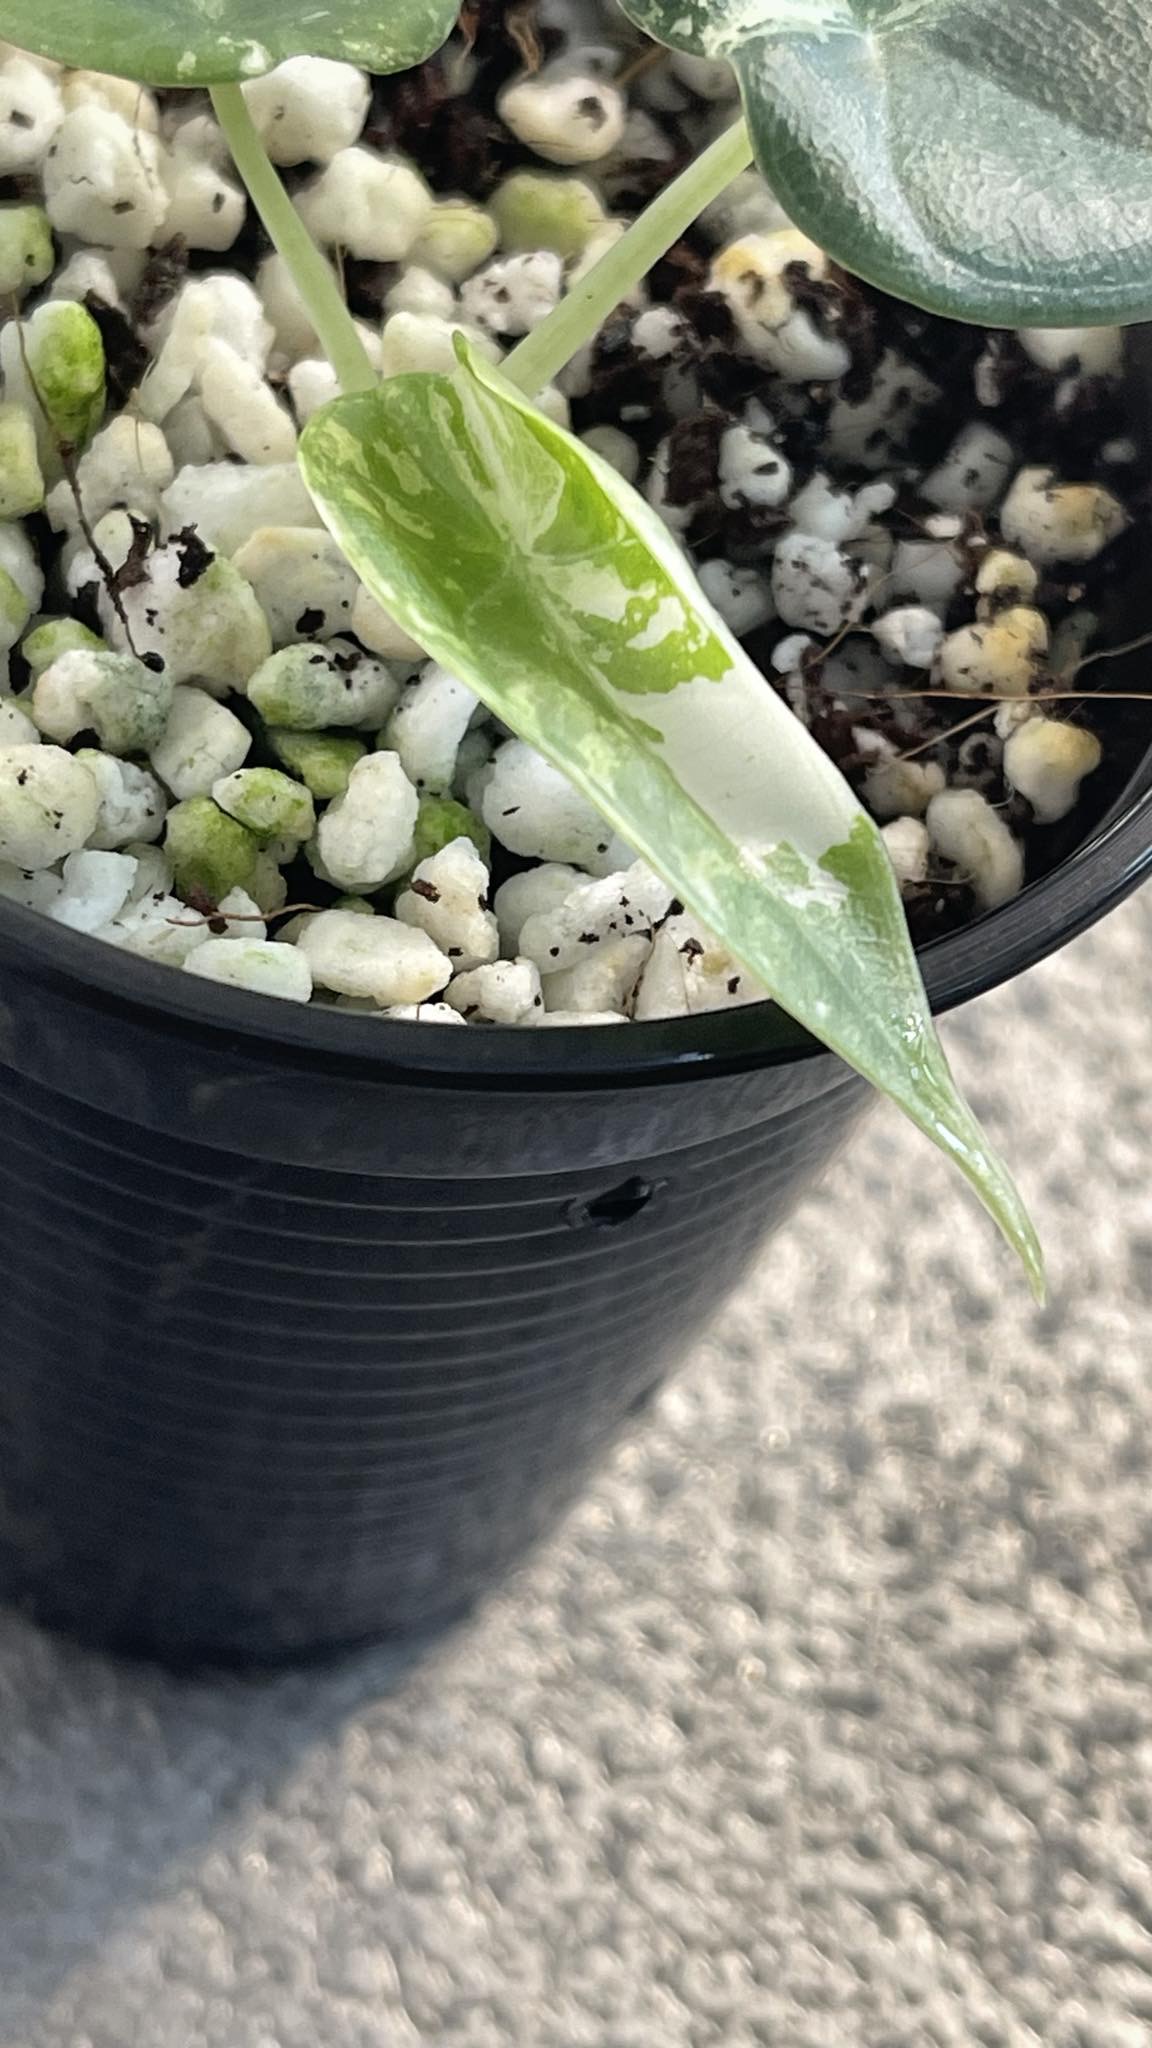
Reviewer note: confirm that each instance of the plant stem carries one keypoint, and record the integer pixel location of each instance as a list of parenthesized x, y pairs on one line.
[(314, 277), (578, 317)]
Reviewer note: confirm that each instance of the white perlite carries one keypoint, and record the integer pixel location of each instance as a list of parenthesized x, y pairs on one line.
[(909, 636), (128, 463), (1056, 522), (903, 789), (909, 846), (303, 584), (1065, 351), (206, 210), (604, 982), (966, 830), (95, 888), (376, 958), (124, 703), (48, 806), (202, 622), (258, 965), (363, 838), (816, 588), (688, 972), (227, 504), (742, 596), (424, 341), (560, 934), (256, 425), (563, 114), (930, 570), (447, 897), (874, 538), (752, 471), (201, 741), (1046, 762), (159, 927), (308, 688), (103, 180), (31, 111), (531, 808), (507, 992), (16, 728), (531, 893), (428, 725), (373, 206), (1002, 657), (974, 474), (832, 512), (132, 801), (514, 295), (309, 109), (753, 275), (378, 630)]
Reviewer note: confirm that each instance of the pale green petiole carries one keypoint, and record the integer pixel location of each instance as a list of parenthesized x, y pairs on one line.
[(316, 281), (584, 310), (580, 314)]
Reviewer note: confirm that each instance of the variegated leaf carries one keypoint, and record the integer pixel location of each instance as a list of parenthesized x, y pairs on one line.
[(527, 566)]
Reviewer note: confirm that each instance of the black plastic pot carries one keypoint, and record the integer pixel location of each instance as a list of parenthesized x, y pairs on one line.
[(313, 1323)]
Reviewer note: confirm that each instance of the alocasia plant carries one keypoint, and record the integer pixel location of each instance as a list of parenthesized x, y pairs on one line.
[(992, 161)]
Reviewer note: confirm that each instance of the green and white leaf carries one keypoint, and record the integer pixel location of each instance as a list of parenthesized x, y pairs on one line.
[(208, 42), (990, 159), (528, 567)]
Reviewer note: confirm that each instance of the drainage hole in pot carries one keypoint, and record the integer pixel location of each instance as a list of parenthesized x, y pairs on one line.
[(619, 1205)]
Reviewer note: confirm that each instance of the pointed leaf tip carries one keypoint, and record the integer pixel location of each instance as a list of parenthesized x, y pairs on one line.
[(528, 567)]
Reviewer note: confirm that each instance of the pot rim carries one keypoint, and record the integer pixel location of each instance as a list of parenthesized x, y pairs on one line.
[(1109, 865)]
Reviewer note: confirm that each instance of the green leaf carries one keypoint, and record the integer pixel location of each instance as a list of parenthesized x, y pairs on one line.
[(207, 42), (528, 567), (990, 159)]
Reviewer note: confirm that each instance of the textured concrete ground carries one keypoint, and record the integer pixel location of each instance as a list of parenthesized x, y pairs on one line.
[(826, 1723)]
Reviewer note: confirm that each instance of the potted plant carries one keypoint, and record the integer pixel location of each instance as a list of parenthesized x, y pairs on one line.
[(316, 1317)]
